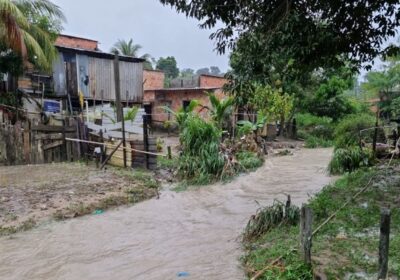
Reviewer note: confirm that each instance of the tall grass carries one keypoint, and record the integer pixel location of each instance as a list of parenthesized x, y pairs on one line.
[(349, 159), (200, 161), (270, 217)]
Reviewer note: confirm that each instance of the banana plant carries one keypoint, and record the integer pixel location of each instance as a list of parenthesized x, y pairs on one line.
[(182, 113), (247, 127), (131, 114), (221, 109)]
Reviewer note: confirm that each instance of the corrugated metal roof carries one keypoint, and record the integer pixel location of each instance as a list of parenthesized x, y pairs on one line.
[(99, 54)]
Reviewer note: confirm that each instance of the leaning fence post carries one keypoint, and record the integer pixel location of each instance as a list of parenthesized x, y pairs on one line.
[(306, 233), (384, 244)]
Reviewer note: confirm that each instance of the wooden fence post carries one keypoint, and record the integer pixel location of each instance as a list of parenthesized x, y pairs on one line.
[(384, 243), (146, 139), (169, 152), (306, 233), (27, 142)]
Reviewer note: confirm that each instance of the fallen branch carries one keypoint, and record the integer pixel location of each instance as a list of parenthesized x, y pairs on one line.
[(265, 269), (110, 155)]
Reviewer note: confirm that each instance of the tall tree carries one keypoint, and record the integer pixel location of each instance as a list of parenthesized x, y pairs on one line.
[(214, 70), (204, 70), (169, 66), (23, 31), (187, 72), (330, 28)]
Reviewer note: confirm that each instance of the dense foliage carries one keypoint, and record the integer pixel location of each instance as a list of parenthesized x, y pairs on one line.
[(313, 32), (348, 132), (28, 29), (169, 66)]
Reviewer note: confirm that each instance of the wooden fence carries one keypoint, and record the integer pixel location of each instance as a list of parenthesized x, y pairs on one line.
[(31, 142)]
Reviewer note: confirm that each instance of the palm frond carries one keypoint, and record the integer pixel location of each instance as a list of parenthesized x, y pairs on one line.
[(127, 48), (46, 44), (33, 47), (42, 7), (12, 21), (192, 105)]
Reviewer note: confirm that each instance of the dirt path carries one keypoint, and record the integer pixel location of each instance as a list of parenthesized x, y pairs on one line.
[(194, 231)]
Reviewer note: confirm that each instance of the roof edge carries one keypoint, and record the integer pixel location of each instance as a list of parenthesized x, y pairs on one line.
[(99, 54)]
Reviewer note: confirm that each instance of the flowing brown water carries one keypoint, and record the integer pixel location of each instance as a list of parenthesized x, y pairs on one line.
[(194, 231)]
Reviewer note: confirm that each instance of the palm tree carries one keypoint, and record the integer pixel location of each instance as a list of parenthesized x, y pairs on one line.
[(128, 48), (19, 35)]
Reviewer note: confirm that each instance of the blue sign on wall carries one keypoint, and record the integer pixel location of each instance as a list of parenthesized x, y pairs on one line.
[(52, 106)]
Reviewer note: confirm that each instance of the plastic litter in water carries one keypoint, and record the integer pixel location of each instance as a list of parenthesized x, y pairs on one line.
[(98, 212), (183, 274)]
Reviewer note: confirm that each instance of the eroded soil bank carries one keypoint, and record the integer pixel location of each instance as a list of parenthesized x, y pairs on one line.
[(195, 231), (32, 194)]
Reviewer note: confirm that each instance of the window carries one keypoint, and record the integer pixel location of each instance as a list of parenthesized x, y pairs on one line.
[(185, 104)]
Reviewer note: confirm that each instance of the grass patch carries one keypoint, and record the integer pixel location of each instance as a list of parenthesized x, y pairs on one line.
[(25, 226), (276, 243), (317, 132), (313, 142), (249, 160), (165, 163), (348, 244), (350, 159)]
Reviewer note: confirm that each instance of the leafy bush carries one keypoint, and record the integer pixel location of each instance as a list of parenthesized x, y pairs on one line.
[(309, 120), (316, 131), (200, 160), (347, 132), (247, 127), (349, 159), (249, 160), (313, 142), (329, 100)]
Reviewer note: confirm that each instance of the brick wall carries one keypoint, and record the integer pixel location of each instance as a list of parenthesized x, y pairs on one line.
[(153, 79), (175, 99), (212, 81), (75, 42)]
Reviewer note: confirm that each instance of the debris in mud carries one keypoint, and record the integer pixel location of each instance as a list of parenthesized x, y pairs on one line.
[(282, 153), (183, 274)]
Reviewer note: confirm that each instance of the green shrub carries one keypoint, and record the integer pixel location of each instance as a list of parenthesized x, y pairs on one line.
[(249, 160), (200, 160), (347, 132), (349, 159), (313, 142), (309, 120), (316, 131)]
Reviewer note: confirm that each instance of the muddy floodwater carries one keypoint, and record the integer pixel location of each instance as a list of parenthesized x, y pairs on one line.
[(194, 231)]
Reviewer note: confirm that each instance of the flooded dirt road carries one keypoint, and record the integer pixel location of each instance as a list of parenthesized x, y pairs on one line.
[(194, 231)]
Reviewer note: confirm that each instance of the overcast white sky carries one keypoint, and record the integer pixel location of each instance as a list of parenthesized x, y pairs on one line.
[(159, 29)]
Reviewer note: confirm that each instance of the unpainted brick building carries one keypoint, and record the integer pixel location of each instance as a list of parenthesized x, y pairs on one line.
[(68, 41), (156, 97)]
